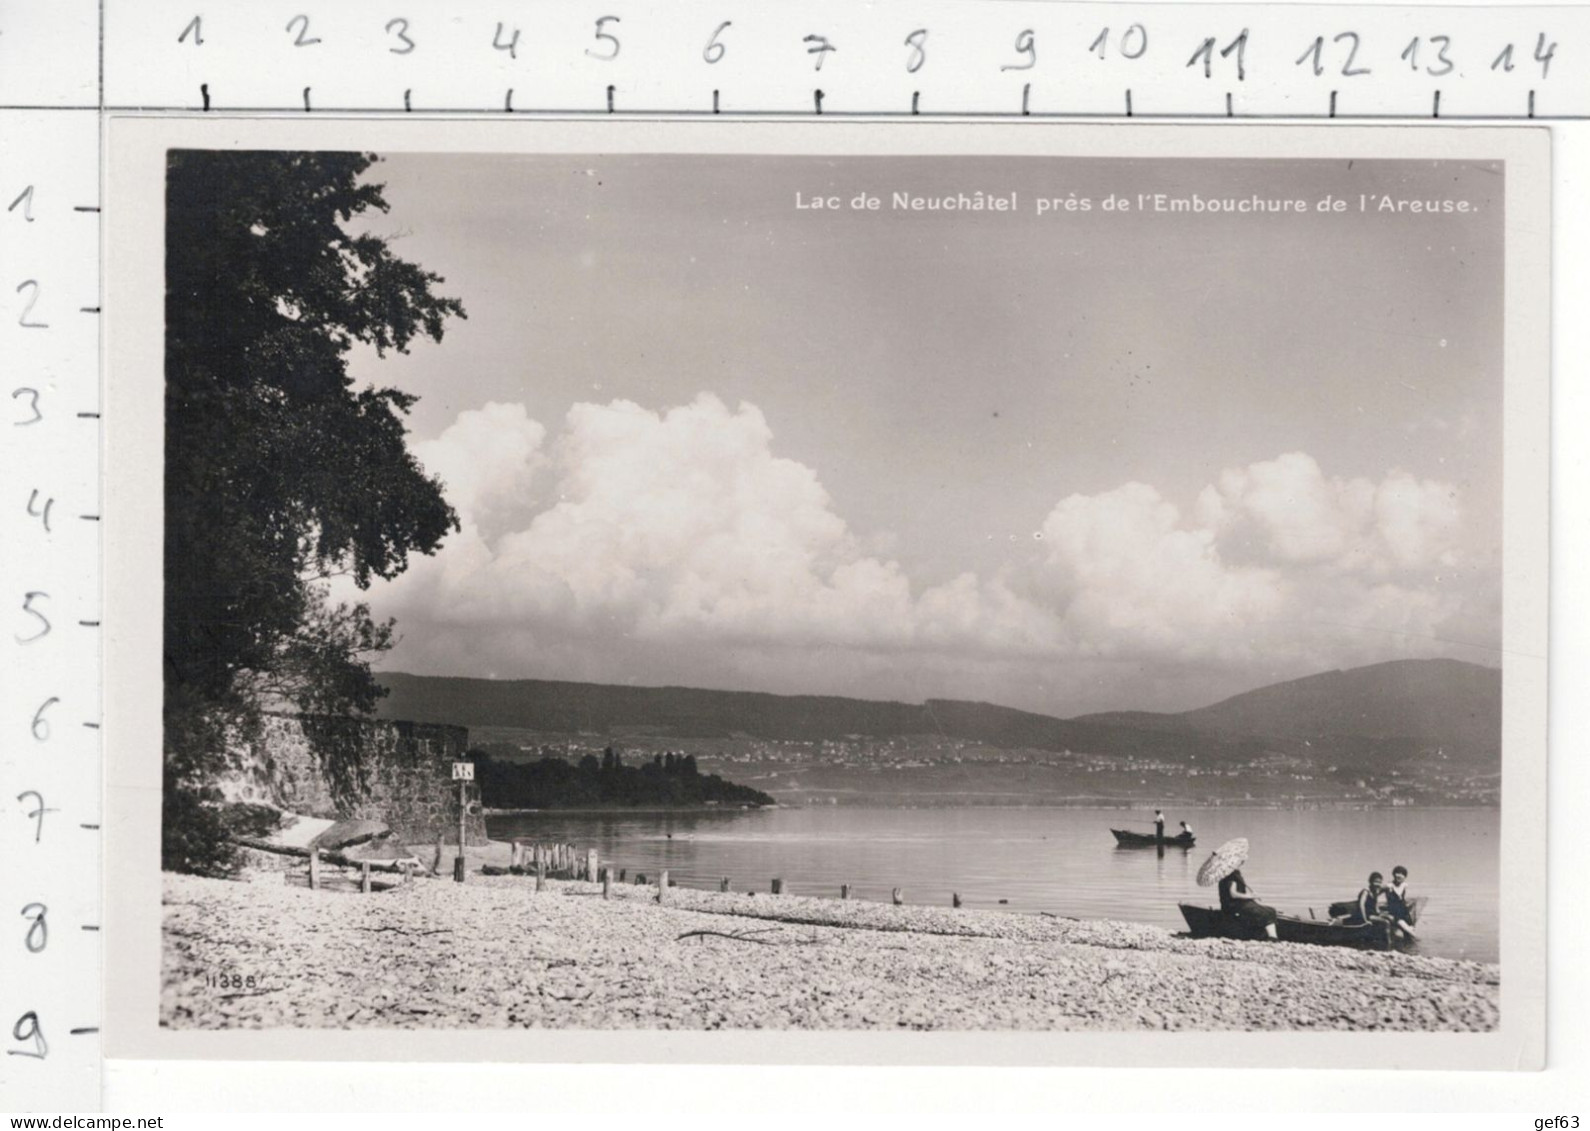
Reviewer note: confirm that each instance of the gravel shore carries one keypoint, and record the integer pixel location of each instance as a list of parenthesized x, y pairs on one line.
[(493, 954)]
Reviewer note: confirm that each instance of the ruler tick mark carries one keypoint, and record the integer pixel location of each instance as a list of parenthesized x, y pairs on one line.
[(84, 1030)]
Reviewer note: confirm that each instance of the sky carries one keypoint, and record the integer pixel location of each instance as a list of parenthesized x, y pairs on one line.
[(1073, 461)]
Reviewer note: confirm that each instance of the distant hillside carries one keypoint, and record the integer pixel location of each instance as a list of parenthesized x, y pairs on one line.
[(1402, 704), (1382, 712)]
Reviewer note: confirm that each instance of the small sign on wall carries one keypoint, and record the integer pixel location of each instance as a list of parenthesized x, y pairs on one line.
[(463, 771)]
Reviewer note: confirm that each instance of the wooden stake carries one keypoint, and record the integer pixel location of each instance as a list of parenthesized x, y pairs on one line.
[(662, 884), (724, 884), (364, 877), (436, 865), (541, 871), (623, 874), (844, 891), (955, 899), (778, 886), (607, 883), (592, 865), (314, 869), (897, 897)]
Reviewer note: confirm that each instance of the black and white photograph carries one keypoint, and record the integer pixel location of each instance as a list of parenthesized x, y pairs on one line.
[(873, 584)]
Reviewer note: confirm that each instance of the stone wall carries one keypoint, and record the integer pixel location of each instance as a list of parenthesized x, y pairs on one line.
[(396, 772)]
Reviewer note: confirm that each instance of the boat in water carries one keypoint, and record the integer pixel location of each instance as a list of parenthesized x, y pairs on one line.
[(1125, 839), (1212, 923)]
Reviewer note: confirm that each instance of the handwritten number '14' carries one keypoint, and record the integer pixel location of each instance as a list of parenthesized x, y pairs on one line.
[(1543, 55)]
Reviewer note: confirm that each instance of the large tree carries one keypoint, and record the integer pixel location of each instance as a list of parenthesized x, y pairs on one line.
[(281, 473)]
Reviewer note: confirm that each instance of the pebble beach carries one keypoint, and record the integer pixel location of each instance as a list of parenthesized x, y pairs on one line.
[(495, 954)]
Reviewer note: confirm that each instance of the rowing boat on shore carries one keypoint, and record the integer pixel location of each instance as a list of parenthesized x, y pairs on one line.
[(1125, 839), (1212, 923)]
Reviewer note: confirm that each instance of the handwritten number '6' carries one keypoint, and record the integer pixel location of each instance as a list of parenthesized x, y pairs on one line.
[(41, 725), (27, 1029), (613, 39), (714, 50), (38, 936)]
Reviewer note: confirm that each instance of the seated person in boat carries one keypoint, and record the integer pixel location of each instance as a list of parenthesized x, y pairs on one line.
[(1238, 900), (1186, 832), (1367, 909), (1399, 905)]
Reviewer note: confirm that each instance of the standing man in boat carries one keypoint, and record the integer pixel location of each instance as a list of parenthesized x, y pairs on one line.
[(1159, 827)]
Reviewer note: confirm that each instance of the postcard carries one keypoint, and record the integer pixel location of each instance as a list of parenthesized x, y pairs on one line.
[(863, 592)]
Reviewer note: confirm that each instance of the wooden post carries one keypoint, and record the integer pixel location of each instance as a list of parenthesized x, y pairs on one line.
[(724, 884), (593, 865), (541, 870), (844, 891), (364, 876), (436, 865), (623, 874), (607, 883), (314, 868), (955, 899), (463, 809), (897, 896), (662, 884), (640, 879), (778, 886), (408, 876)]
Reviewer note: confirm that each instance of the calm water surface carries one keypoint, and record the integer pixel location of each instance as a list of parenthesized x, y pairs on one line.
[(1063, 861)]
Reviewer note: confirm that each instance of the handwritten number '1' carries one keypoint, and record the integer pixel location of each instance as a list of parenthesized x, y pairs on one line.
[(27, 1029)]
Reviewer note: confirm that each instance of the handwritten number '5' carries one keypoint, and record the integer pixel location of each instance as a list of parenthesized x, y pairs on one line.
[(27, 607), (601, 34), (27, 1029), (38, 936)]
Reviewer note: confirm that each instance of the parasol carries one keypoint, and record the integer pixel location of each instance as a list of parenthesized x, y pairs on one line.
[(1223, 861)]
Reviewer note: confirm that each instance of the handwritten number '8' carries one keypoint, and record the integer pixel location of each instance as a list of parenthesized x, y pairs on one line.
[(38, 936), (27, 1029)]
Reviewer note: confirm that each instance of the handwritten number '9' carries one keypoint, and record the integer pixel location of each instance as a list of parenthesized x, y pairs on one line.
[(1025, 45), (27, 1029)]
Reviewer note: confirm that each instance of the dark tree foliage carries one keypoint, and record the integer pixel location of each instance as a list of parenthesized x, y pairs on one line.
[(280, 473), (553, 783)]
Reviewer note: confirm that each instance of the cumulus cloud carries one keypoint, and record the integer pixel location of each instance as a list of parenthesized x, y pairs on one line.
[(631, 541)]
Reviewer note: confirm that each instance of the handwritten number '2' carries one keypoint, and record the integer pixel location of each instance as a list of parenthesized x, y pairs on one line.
[(32, 287)]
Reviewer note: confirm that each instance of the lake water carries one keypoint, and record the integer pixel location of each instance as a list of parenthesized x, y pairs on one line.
[(1062, 861)]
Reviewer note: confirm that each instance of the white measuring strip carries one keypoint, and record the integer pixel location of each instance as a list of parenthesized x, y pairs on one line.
[(954, 57)]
